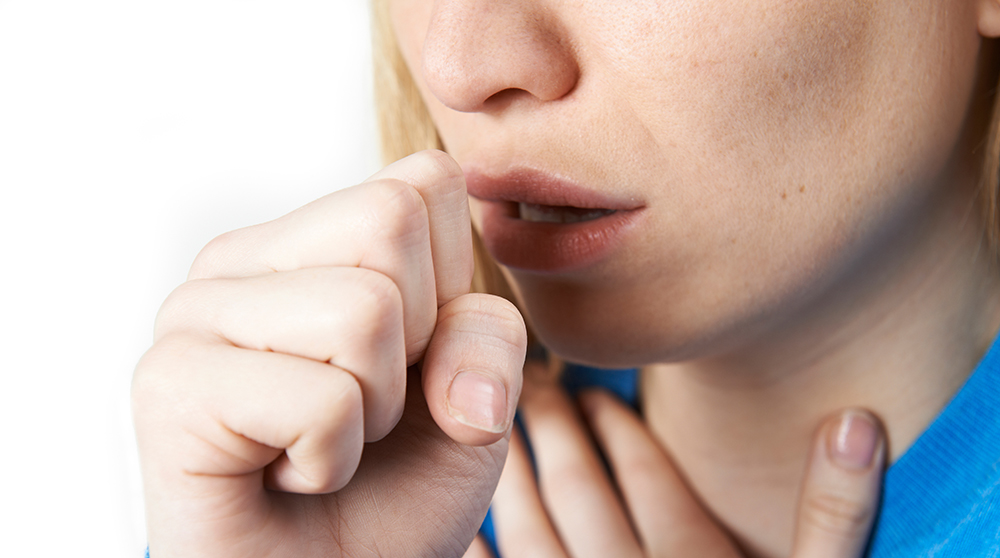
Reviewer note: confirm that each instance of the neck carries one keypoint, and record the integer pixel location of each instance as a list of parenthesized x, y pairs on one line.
[(899, 338)]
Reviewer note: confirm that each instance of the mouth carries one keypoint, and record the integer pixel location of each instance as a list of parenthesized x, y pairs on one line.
[(533, 221), (537, 197), (564, 214)]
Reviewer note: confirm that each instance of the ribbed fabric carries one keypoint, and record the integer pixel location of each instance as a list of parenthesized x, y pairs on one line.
[(941, 499)]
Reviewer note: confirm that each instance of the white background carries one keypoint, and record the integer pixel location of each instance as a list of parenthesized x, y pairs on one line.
[(131, 133)]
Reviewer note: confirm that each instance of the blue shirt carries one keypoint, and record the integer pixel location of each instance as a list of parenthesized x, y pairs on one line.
[(940, 499)]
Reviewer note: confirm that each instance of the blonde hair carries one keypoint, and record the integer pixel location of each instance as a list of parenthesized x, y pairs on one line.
[(406, 128)]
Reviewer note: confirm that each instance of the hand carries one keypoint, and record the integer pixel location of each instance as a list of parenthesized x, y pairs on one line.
[(288, 349), (573, 509)]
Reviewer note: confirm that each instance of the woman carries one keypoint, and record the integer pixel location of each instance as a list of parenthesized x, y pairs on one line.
[(777, 209)]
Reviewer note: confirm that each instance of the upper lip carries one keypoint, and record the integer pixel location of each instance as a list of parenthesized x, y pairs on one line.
[(531, 186)]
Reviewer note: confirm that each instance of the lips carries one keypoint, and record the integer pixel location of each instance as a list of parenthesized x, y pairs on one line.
[(535, 221)]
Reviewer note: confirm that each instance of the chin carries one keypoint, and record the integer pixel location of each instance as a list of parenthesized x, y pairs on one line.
[(597, 350), (606, 329), (633, 322)]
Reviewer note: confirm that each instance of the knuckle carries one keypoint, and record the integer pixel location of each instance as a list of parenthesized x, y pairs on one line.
[(440, 163), (155, 382), (145, 381), (503, 309), (494, 315), (337, 410), (218, 255), (336, 403), (377, 304), (180, 308), (397, 209), (837, 514)]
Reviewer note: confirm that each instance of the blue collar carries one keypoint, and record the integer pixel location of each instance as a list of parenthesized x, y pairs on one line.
[(945, 489)]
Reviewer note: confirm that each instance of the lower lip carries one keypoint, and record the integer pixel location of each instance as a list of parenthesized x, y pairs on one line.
[(551, 247)]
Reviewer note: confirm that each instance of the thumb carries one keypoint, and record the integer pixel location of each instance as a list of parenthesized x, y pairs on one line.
[(472, 368), (841, 493)]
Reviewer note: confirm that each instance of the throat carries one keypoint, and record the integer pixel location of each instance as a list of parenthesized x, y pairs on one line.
[(743, 459)]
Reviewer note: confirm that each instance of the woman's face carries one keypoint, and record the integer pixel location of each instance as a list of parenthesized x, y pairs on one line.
[(731, 162)]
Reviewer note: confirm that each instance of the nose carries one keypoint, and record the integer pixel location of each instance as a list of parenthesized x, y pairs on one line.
[(479, 52)]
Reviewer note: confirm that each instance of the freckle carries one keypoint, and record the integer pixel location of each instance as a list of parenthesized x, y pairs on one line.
[(802, 189), (784, 75), (755, 54), (784, 195)]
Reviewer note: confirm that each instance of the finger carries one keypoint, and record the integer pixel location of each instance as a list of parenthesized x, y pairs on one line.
[(580, 498), (349, 317), (441, 184), (220, 414), (382, 225), (521, 523), (669, 519), (472, 369), (417, 479), (478, 549), (841, 491)]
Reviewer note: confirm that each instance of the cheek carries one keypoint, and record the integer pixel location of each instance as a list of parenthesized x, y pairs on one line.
[(779, 94), (779, 107), (790, 130), (801, 73), (751, 84), (787, 142)]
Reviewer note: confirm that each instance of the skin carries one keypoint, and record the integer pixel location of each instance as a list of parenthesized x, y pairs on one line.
[(308, 394), (286, 353), (324, 384), (809, 240)]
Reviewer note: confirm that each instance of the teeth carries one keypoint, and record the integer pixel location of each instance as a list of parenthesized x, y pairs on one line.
[(563, 215)]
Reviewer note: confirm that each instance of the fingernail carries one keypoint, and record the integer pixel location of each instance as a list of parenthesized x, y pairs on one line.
[(853, 442), (479, 401)]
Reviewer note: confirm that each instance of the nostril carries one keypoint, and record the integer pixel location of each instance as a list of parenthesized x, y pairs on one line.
[(502, 99), (477, 59)]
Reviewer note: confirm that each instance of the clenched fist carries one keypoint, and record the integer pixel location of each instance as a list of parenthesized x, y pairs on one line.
[(325, 385)]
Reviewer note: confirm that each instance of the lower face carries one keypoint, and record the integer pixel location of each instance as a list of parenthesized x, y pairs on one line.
[(748, 155)]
